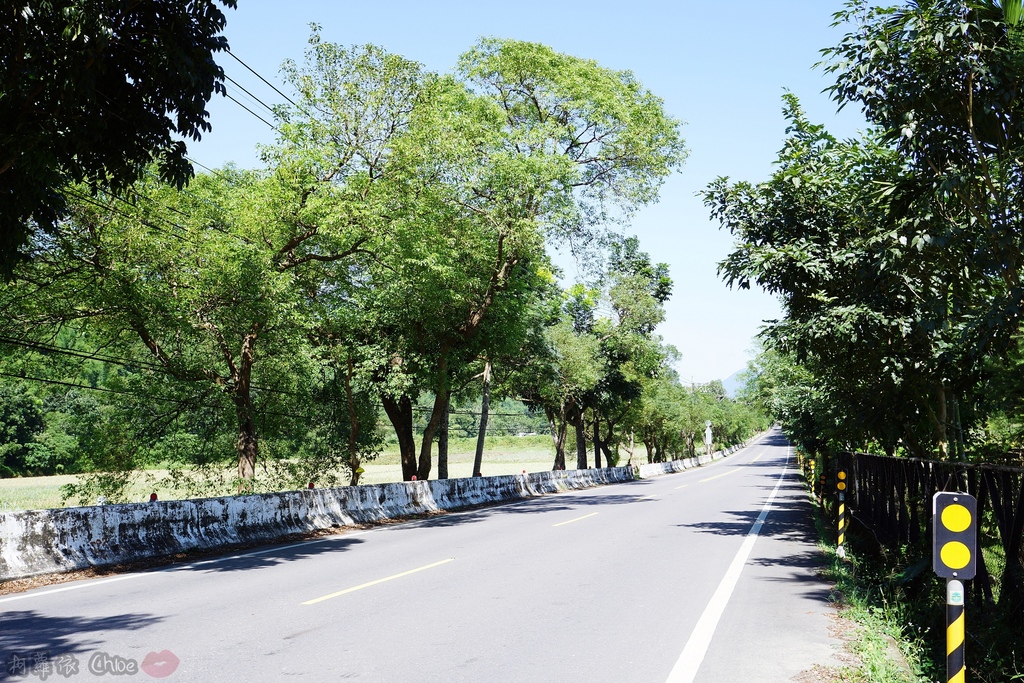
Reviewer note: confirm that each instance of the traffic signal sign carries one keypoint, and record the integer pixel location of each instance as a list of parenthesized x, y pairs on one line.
[(841, 481), (954, 535)]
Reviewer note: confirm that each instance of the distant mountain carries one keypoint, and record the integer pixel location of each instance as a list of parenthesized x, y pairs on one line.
[(733, 383)]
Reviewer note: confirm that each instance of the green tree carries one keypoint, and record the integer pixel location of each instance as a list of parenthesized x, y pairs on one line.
[(21, 421), (211, 290), (93, 92), (873, 299), (479, 170)]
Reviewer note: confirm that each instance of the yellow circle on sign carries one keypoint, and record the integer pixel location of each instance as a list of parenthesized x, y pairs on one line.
[(842, 475), (955, 555), (956, 518), (841, 486)]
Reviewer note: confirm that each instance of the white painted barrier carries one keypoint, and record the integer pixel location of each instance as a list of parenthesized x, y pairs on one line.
[(48, 541), (658, 469)]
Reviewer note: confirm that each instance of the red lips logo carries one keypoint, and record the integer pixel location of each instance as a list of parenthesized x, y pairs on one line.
[(160, 664)]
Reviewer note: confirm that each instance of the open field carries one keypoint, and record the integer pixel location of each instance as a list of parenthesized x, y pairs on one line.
[(501, 456)]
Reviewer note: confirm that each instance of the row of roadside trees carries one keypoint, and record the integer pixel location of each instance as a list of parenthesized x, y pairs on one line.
[(390, 259), (897, 255)]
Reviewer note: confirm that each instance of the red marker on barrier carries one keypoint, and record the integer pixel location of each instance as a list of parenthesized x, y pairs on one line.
[(152, 497), (414, 477), (310, 485)]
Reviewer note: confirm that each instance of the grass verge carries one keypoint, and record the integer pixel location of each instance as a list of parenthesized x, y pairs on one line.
[(502, 455), (887, 646)]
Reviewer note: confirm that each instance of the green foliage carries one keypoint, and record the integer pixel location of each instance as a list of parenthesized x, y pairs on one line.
[(21, 420), (394, 247), (92, 92)]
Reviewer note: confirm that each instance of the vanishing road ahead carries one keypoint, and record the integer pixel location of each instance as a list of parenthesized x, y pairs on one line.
[(656, 580)]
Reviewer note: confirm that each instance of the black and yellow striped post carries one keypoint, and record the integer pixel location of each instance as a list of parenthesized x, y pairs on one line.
[(954, 551), (841, 486), (956, 663)]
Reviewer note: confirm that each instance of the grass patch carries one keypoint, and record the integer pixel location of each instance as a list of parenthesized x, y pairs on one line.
[(502, 455), (888, 646)]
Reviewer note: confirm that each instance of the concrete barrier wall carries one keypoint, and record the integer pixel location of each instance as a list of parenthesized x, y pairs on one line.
[(658, 469), (47, 541)]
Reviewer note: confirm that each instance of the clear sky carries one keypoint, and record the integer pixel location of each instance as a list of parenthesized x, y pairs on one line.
[(721, 67)]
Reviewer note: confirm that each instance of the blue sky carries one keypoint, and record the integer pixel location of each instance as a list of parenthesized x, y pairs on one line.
[(721, 67)]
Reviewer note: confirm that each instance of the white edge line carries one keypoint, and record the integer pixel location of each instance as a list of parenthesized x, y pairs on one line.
[(685, 669)]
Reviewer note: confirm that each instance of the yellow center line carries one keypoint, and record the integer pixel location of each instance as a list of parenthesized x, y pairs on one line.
[(758, 457), (575, 520), (650, 497), (374, 583), (682, 487), (723, 474)]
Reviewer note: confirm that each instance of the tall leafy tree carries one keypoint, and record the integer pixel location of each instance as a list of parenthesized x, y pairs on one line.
[(565, 146), (93, 92), (476, 171), (875, 295), (210, 285)]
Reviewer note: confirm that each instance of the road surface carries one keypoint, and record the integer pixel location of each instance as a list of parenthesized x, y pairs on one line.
[(706, 575)]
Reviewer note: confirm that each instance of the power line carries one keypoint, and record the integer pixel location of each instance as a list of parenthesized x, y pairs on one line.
[(253, 97), (144, 365), (253, 71), (214, 227), (164, 399), (210, 170), (38, 346), (272, 126), (90, 200), (136, 365)]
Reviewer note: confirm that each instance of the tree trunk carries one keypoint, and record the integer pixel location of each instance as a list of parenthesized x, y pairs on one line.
[(597, 440), (581, 441), (427, 445), (247, 444), (353, 427), (400, 413), (558, 429), (609, 460), (442, 442), (478, 460), (941, 421)]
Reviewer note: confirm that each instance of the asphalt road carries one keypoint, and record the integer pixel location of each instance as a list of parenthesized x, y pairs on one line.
[(656, 580)]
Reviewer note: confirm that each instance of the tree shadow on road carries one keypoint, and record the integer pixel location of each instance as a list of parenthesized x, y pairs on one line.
[(789, 521), (27, 634), (547, 503), (273, 556)]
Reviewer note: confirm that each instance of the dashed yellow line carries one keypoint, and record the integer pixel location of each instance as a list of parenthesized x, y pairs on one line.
[(758, 457), (575, 520), (718, 476), (682, 487), (374, 583)]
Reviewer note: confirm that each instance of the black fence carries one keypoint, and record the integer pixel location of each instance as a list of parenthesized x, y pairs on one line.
[(891, 498)]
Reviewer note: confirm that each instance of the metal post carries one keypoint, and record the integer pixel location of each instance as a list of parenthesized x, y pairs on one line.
[(840, 546), (956, 667), (841, 486), (954, 558)]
